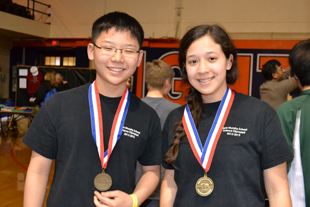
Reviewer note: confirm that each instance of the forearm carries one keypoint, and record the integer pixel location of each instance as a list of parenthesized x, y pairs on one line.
[(35, 189), (147, 183), (168, 189), (36, 180), (276, 185), (280, 199), (287, 73)]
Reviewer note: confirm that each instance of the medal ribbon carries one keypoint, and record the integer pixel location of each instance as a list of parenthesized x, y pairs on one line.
[(205, 155), (97, 126)]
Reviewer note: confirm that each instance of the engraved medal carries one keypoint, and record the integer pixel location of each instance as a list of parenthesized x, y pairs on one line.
[(204, 186), (103, 181), (204, 155)]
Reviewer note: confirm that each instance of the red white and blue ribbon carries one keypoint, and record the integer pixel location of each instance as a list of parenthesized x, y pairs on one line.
[(205, 155), (97, 126)]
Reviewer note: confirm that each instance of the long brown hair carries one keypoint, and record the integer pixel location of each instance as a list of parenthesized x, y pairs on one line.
[(194, 99)]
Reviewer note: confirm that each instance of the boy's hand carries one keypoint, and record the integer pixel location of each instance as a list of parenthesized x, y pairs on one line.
[(112, 199)]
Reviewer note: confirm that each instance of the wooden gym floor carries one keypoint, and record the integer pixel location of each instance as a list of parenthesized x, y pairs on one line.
[(14, 160)]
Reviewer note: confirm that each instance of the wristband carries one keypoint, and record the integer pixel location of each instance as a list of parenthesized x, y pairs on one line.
[(135, 200)]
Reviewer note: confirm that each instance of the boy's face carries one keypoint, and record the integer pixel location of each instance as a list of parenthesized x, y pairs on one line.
[(114, 68)]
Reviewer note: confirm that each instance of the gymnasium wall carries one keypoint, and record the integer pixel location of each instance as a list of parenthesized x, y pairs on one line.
[(252, 54), (243, 19)]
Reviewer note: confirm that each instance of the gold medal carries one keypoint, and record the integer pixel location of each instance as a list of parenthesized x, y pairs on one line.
[(204, 186), (103, 181)]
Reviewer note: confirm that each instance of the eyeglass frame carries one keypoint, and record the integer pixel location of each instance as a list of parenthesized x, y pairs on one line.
[(136, 51)]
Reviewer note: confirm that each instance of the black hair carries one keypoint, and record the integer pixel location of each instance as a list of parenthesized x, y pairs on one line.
[(194, 99), (120, 22), (269, 68), (300, 62)]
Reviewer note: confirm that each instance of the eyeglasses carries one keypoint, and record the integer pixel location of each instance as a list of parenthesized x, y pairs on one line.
[(109, 50)]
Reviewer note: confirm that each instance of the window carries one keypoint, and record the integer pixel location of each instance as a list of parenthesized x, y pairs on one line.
[(52, 60), (60, 61), (68, 61)]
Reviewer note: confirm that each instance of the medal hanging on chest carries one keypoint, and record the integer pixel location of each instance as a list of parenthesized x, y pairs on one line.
[(205, 185), (103, 181)]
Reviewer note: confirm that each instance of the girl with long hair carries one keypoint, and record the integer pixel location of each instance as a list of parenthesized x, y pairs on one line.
[(222, 147), (48, 85)]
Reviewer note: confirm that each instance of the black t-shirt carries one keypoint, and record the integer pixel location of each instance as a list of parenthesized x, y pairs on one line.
[(251, 141), (61, 130), (44, 88), (63, 87)]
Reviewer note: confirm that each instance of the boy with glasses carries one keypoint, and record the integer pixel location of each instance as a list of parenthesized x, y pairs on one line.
[(97, 132)]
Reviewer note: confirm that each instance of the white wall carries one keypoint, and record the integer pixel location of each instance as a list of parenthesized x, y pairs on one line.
[(245, 19), (16, 24)]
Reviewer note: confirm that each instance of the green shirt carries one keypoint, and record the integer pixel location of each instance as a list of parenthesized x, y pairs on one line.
[(287, 113)]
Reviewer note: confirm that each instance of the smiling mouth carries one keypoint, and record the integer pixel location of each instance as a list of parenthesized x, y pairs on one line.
[(116, 69), (206, 79)]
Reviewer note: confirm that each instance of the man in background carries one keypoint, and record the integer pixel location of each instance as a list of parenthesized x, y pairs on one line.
[(62, 85), (278, 84), (294, 116), (158, 78)]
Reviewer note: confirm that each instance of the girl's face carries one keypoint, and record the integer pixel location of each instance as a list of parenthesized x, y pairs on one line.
[(206, 67)]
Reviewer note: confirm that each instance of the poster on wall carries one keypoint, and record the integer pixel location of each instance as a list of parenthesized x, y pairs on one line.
[(22, 83)]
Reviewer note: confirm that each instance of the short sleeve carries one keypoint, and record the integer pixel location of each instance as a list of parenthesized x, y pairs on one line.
[(153, 149), (166, 146), (41, 135), (275, 146)]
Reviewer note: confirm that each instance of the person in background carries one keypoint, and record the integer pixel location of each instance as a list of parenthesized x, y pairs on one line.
[(294, 116), (48, 85), (219, 150), (34, 79), (278, 84), (62, 85), (97, 132), (158, 78)]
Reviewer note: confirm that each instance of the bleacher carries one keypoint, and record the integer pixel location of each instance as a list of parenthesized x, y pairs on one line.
[(9, 7)]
